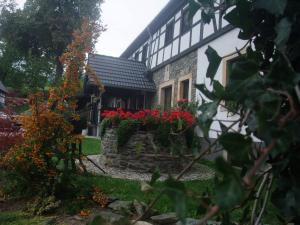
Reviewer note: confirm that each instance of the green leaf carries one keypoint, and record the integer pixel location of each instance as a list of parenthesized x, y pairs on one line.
[(283, 29), (155, 176), (238, 146), (202, 88), (219, 89), (241, 17), (276, 7), (229, 191), (176, 191), (214, 62), (209, 110), (193, 7)]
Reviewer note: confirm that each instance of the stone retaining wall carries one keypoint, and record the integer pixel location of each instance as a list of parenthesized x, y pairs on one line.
[(140, 153)]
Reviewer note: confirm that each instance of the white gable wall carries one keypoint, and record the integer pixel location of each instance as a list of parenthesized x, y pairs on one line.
[(224, 45)]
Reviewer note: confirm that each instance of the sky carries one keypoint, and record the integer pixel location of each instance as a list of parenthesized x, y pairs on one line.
[(125, 20)]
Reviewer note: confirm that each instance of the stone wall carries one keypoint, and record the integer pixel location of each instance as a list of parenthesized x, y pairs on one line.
[(184, 66), (140, 153)]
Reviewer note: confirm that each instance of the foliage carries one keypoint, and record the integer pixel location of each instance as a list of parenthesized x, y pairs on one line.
[(264, 85), (34, 38), (42, 206), (10, 132), (125, 130), (49, 137), (19, 218), (164, 124)]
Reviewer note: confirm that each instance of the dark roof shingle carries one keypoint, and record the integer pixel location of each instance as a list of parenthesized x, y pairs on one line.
[(121, 73)]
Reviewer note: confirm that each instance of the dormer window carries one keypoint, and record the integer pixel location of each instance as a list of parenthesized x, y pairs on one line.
[(186, 21), (169, 33)]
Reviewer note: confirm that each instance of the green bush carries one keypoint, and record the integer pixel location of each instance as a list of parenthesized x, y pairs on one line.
[(104, 125), (125, 130)]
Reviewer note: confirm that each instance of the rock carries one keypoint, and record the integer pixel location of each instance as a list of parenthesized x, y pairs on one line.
[(138, 207), (121, 206), (213, 223), (109, 217), (189, 221), (142, 223), (167, 218), (50, 221)]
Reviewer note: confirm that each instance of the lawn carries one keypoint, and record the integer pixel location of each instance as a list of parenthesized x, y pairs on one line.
[(130, 190), (126, 190), (91, 146), (19, 218)]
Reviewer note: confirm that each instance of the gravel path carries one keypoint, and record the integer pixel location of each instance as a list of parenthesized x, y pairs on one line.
[(201, 172)]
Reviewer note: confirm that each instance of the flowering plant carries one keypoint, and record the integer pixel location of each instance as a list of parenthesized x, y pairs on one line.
[(181, 119)]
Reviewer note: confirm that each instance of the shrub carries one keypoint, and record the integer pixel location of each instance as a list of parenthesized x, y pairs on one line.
[(125, 130)]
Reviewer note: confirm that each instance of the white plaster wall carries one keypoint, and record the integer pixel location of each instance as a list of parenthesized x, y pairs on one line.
[(160, 56), (224, 45), (175, 47), (208, 30), (177, 16), (167, 54), (196, 34), (177, 28), (154, 58), (162, 40), (185, 41), (197, 16)]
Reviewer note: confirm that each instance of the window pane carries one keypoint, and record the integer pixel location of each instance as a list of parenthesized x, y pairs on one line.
[(185, 89), (167, 98)]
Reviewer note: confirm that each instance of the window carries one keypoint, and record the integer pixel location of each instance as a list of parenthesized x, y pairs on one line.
[(186, 22), (167, 97), (144, 53), (185, 87), (228, 66), (136, 56), (169, 33)]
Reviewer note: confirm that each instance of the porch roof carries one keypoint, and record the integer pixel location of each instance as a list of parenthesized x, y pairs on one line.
[(121, 73)]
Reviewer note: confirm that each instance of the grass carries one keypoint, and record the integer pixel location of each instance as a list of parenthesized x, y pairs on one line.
[(130, 190), (19, 218), (91, 146)]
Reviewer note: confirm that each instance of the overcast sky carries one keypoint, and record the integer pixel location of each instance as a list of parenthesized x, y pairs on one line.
[(125, 19)]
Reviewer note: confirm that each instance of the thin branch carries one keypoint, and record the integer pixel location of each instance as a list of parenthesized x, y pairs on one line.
[(91, 161), (237, 50), (265, 201), (257, 195), (213, 211)]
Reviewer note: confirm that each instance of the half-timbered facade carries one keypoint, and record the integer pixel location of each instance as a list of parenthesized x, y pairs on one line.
[(172, 48)]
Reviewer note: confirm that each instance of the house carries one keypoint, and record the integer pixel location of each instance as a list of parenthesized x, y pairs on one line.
[(127, 85), (3, 93), (172, 48)]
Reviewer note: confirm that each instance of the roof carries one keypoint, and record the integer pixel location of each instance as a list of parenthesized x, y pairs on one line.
[(121, 73), (2, 87), (163, 17)]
